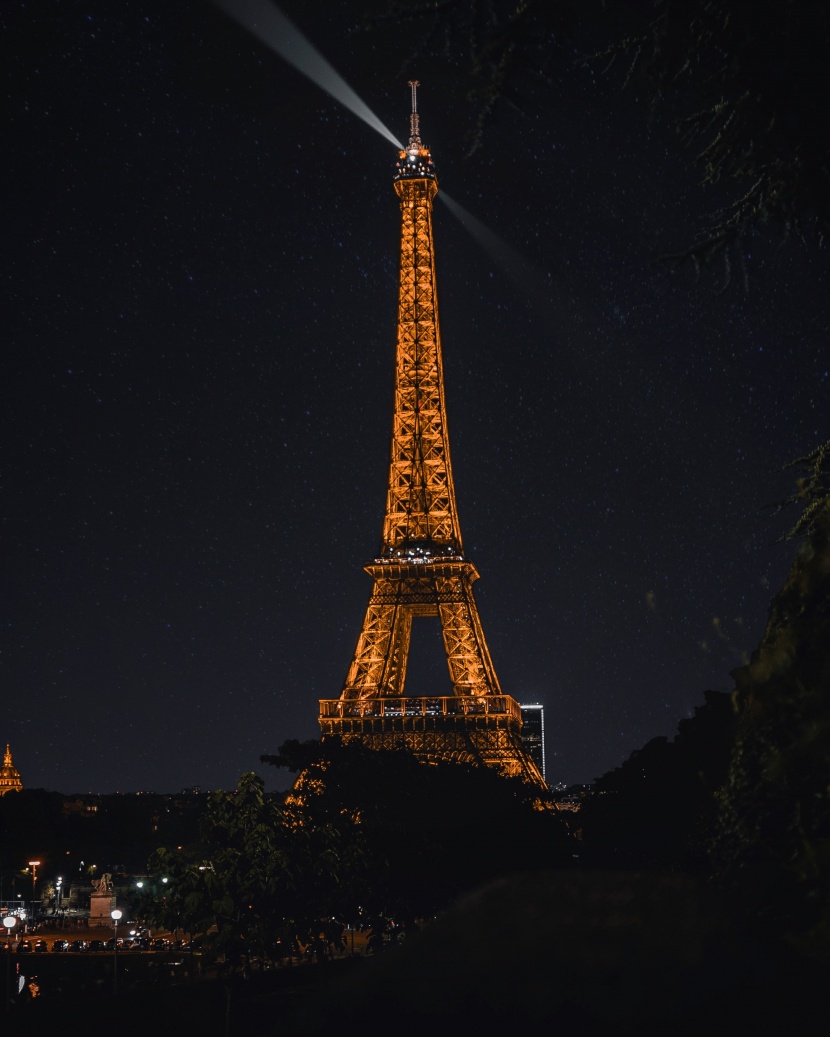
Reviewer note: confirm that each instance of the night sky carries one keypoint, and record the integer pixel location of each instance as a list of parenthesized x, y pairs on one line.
[(199, 282)]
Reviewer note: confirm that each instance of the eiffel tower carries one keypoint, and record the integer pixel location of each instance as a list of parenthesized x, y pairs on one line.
[(421, 569)]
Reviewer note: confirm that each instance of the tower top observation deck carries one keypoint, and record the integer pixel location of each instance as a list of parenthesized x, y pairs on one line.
[(414, 161)]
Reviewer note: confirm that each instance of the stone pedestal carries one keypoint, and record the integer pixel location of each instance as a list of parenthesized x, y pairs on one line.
[(100, 905)]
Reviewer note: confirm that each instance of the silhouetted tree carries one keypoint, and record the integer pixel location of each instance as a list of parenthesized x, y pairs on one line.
[(120, 830), (236, 881), (744, 85), (658, 808), (427, 832), (32, 821), (773, 846)]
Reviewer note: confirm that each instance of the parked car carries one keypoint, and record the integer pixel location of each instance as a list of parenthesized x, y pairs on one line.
[(41, 946), (60, 945), (79, 945), (24, 947), (97, 945)]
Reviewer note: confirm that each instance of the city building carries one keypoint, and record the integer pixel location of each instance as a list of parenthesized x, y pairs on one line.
[(9, 775), (533, 733)]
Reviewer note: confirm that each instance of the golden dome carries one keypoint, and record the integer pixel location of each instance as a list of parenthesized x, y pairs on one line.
[(9, 775)]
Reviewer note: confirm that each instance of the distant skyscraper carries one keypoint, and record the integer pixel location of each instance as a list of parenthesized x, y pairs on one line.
[(533, 733)]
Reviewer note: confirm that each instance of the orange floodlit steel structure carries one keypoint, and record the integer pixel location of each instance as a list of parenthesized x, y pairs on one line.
[(421, 569)]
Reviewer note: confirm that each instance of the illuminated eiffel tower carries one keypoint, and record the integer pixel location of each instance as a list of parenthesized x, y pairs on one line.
[(421, 569)]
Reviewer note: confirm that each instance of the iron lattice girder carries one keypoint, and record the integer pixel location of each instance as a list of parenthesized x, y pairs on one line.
[(421, 570), (401, 591), (420, 502), (502, 709), (420, 725)]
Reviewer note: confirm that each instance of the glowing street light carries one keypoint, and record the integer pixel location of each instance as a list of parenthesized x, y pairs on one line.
[(115, 916), (8, 922), (34, 865)]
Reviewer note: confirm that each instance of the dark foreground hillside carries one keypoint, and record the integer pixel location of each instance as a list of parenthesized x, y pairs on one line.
[(569, 953)]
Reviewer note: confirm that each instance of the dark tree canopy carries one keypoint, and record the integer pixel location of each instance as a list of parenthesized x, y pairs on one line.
[(743, 792), (744, 86), (658, 808), (429, 832), (250, 872), (774, 836), (120, 832)]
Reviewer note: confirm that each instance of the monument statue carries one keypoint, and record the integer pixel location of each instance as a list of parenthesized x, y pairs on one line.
[(104, 884)]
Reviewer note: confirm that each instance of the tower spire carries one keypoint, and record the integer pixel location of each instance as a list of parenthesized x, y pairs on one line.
[(414, 121)]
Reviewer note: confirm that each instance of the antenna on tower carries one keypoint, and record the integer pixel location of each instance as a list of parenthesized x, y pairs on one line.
[(414, 127)]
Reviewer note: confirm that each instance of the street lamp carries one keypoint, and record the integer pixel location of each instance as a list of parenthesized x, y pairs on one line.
[(115, 916), (8, 922), (34, 865)]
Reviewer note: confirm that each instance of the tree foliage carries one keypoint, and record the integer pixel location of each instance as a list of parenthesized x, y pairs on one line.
[(743, 792), (427, 832), (250, 871), (744, 86), (361, 833), (119, 833), (773, 847), (658, 808), (812, 492)]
